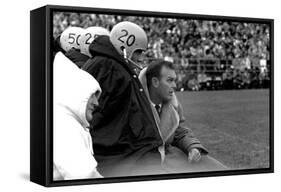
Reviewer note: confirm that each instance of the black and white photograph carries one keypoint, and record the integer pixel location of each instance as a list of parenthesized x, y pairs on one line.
[(141, 95)]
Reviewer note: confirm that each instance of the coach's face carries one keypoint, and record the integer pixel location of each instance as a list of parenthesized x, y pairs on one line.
[(167, 84)]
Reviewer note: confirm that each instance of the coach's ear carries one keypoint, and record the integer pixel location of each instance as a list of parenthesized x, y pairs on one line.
[(155, 82)]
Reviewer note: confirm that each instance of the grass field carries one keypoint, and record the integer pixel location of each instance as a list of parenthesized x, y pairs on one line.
[(233, 125)]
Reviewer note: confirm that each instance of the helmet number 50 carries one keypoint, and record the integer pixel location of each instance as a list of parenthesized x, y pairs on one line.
[(73, 39), (130, 39)]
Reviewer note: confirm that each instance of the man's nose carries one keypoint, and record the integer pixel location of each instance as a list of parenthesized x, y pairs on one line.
[(174, 85), (95, 102)]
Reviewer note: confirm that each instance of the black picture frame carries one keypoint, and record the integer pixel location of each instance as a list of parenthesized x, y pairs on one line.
[(41, 81)]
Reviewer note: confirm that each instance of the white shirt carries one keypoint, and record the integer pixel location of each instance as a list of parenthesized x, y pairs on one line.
[(154, 105)]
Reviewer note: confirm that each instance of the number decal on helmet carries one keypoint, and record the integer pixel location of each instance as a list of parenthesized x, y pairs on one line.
[(96, 35), (71, 38), (130, 40), (77, 39), (89, 36)]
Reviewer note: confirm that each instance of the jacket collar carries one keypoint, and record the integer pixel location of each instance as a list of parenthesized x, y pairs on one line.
[(103, 46)]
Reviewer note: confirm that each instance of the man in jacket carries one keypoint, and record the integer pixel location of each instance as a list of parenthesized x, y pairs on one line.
[(124, 131), (181, 147)]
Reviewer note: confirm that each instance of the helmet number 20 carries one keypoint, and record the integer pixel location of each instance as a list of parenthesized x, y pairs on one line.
[(130, 39)]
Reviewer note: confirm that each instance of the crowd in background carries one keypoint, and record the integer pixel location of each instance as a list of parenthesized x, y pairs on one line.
[(207, 54)]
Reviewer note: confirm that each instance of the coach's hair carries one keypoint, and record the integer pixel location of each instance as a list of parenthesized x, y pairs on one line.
[(154, 69)]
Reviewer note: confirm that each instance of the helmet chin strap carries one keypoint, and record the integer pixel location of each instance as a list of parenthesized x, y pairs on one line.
[(130, 60), (124, 52), (135, 64)]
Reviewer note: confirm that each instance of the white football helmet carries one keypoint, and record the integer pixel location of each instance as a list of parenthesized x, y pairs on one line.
[(70, 38), (88, 37), (128, 37)]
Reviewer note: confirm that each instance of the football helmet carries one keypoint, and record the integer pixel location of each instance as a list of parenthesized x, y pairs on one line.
[(128, 37), (70, 38), (88, 37)]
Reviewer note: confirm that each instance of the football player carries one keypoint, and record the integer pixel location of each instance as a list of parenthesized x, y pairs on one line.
[(88, 37), (124, 128), (70, 41)]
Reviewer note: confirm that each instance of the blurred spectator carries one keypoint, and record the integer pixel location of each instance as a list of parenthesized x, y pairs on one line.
[(191, 42)]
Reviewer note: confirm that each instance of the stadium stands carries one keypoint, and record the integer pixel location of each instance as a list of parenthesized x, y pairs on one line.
[(208, 55)]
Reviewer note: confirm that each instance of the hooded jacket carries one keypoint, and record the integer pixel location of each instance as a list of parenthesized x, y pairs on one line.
[(123, 128), (72, 143)]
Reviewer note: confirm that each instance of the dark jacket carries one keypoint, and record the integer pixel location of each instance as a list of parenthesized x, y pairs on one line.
[(76, 57), (123, 125)]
